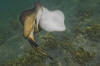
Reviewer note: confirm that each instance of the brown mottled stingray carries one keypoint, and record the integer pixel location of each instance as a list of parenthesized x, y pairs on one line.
[(28, 18)]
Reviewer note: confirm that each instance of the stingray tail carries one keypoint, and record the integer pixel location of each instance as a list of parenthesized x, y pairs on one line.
[(35, 45)]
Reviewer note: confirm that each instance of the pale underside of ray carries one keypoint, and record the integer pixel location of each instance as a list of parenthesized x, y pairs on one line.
[(51, 20)]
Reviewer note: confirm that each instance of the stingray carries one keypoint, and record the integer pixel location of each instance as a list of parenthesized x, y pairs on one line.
[(49, 21)]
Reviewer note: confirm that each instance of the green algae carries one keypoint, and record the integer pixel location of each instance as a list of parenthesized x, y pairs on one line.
[(82, 56), (79, 55), (88, 27), (91, 32), (48, 41), (31, 58)]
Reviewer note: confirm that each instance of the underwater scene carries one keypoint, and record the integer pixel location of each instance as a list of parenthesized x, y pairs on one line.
[(78, 45)]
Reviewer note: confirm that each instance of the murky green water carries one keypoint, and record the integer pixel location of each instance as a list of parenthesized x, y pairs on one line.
[(79, 45)]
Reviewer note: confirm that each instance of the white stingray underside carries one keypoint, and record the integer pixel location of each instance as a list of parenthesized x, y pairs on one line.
[(51, 20)]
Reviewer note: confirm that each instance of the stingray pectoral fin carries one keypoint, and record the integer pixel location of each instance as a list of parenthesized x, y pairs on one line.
[(28, 26)]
